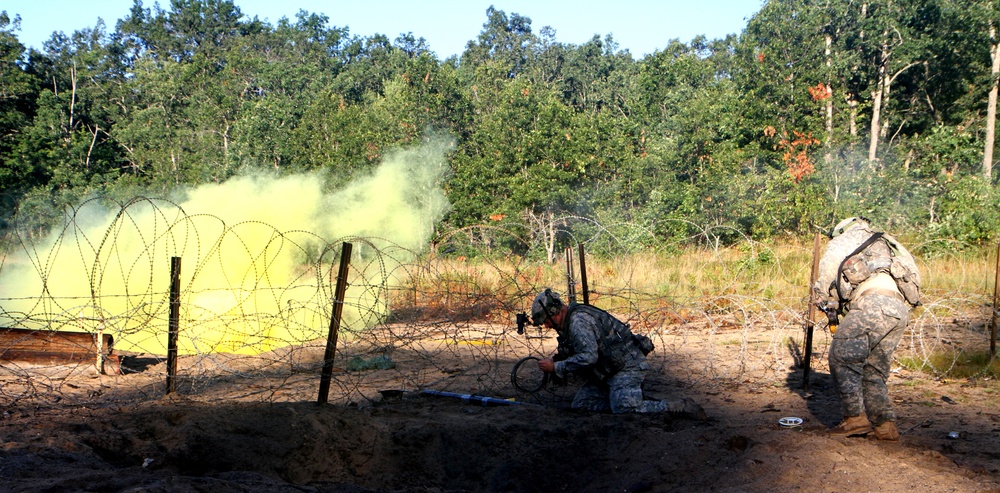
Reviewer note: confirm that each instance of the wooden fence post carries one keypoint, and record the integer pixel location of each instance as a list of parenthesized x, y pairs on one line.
[(996, 306), (338, 310), (810, 315), (174, 327)]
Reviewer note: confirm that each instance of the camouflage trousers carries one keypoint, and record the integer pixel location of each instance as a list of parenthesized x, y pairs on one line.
[(620, 393), (861, 354)]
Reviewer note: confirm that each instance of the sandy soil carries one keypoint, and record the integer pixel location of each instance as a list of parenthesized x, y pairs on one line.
[(216, 440)]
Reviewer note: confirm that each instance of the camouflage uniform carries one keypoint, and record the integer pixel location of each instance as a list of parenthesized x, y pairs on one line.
[(589, 353), (876, 317), (861, 353)]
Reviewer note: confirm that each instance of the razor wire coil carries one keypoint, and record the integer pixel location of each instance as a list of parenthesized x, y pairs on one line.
[(256, 305)]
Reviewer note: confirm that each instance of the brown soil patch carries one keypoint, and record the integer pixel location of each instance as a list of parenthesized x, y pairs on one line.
[(216, 439)]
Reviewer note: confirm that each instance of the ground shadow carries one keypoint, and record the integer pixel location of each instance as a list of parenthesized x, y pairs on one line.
[(818, 391), (138, 363)]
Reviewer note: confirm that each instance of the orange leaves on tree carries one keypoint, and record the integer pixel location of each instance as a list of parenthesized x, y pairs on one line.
[(371, 151), (796, 155), (799, 166), (820, 92)]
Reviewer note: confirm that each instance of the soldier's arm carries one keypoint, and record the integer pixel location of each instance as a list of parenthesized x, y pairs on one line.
[(583, 337)]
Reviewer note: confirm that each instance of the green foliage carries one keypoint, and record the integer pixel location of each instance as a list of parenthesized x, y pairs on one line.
[(969, 211), (19, 90), (947, 149), (756, 258), (979, 365), (553, 142)]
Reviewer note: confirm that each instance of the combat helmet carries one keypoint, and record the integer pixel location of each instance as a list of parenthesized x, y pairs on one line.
[(848, 224), (546, 304)]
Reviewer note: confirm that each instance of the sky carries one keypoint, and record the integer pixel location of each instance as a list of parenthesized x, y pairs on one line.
[(640, 26)]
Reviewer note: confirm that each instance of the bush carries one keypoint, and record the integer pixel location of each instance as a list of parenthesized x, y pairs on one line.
[(969, 211)]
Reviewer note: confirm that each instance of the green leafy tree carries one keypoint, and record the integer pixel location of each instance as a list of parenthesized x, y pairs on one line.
[(187, 87), (18, 90), (410, 96), (285, 68), (506, 42), (70, 132)]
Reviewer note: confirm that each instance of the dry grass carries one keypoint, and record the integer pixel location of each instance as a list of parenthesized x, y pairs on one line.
[(978, 365), (771, 274)]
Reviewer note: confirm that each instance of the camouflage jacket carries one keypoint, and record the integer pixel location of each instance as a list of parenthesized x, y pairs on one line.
[(596, 344)]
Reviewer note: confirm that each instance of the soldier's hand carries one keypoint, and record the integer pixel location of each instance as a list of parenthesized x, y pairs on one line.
[(547, 365)]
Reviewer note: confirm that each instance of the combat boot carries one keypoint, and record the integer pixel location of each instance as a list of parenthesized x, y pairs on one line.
[(687, 408), (852, 425), (887, 431)]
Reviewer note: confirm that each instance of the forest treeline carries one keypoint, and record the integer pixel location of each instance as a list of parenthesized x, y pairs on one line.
[(815, 111)]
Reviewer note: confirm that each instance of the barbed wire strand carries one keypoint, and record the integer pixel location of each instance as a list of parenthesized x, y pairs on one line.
[(256, 303)]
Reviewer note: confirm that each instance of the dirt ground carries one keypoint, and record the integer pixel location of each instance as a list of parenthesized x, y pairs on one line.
[(415, 442)]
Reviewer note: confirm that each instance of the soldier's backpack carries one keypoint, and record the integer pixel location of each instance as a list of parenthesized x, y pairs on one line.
[(872, 256)]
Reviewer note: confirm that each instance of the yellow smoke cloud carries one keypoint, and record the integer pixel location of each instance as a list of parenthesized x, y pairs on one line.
[(252, 278)]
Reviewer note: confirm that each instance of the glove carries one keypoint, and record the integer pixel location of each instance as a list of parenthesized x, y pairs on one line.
[(832, 317)]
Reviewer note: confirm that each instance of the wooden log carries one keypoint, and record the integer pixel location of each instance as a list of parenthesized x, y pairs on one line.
[(55, 347)]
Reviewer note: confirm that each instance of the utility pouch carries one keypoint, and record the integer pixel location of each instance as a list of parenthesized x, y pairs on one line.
[(859, 270), (906, 282), (856, 270)]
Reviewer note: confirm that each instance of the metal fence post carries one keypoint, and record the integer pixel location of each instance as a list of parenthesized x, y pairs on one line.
[(570, 280)]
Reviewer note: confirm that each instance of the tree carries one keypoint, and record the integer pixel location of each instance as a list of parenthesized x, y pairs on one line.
[(505, 41), (18, 90), (187, 28), (189, 81), (781, 56), (284, 69), (592, 77), (991, 113)]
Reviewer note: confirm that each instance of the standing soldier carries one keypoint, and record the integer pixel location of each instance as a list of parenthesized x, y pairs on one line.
[(871, 281)]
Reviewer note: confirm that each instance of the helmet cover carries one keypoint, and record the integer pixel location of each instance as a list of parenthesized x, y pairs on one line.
[(547, 303), (848, 224)]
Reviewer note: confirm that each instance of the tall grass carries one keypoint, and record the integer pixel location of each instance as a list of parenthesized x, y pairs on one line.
[(772, 274), (971, 364)]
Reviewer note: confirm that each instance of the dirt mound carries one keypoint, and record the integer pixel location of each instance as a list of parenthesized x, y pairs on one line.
[(264, 432), (421, 443)]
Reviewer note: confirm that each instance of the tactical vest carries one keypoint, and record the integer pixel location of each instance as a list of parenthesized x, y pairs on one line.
[(615, 342), (880, 253)]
